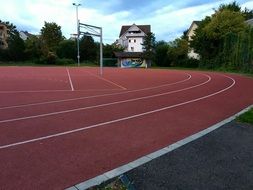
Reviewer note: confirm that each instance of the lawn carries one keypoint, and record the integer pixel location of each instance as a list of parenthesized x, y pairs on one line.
[(246, 117)]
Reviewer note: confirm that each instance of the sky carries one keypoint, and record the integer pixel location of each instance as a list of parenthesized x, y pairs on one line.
[(168, 18)]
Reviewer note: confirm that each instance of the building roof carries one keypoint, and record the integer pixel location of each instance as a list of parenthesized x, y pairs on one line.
[(193, 22), (24, 35), (197, 22), (145, 28), (128, 54)]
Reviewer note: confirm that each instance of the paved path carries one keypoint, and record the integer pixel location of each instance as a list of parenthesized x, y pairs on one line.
[(220, 160)]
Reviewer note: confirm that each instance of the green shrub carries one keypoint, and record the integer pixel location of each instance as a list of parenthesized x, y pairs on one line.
[(65, 61), (51, 58), (110, 62)]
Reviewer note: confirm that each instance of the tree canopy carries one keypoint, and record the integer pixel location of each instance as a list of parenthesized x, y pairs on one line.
[(223, 22), (212, 35), (51, 35), (89, 50), (149, 47), (16, 46)]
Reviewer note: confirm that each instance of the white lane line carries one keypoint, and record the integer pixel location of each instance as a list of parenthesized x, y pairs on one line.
[(147, 158), (96, 96), (70, 81), (32, 91), (103, 105), (118, 120), (107, 80), (41, 91)]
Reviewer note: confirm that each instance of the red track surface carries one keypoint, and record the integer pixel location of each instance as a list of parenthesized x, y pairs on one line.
[(52, 137)]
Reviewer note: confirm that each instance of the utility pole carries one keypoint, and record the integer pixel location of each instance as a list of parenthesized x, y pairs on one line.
[(78, 33)]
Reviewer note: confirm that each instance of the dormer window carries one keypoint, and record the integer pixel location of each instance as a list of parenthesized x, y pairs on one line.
[(134, 32)]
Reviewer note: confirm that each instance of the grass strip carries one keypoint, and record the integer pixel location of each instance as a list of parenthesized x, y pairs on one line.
[(247, 117)]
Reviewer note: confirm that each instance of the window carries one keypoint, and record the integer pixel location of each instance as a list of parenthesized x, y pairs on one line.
[(134, 32), (129, 41), (132, 48), (134, 40)]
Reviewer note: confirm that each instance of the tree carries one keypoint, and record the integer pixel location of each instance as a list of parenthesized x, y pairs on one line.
[(148, 47), (224, 22), (161, 56), (209, 36), (33, 47), (16, 47), (51, 36), (109, 49), (88, 49), (67, 49), (248, 14), (177, 52), (200, 43), (184, 36), (233, 6), (223, 40), (12, 29)]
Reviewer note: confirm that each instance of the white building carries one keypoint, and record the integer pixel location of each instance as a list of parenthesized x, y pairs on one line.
[(249, 22), (3, 36), (190, 34), (24, 35), (131, 39)]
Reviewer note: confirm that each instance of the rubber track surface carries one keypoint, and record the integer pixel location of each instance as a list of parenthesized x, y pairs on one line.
[(52, 137)]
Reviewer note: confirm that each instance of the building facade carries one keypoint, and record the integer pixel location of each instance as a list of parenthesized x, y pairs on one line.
[(3, 36), (24, 35), (249, 22), (190, 34), (131, 39)]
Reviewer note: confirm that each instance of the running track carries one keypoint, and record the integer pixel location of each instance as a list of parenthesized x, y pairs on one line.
[(61, 126)]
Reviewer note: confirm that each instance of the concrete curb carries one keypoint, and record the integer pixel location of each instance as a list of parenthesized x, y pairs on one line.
[(134, 164)]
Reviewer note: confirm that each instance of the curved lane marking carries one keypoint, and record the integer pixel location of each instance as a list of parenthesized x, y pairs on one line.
[(96, 96), (103, 105), (118, 120)]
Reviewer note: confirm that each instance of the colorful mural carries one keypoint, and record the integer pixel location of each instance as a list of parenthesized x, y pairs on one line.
[(130, 63)]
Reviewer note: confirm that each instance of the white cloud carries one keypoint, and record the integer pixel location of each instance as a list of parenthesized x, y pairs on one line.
[(249, 5), (167, 25), (167, 22), (29, 13)]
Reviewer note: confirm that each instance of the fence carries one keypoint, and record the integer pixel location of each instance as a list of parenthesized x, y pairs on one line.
[(110, 62), (238, 51)]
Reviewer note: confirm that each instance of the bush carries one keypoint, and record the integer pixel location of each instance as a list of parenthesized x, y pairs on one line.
[(67, 49), (65, 61), (49, 59), (110, 62), (191, 63)]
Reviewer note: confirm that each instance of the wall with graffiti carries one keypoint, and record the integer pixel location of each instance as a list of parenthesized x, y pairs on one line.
[(132, 63)]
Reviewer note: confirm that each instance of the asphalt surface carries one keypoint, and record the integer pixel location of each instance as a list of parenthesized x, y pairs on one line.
[(223, 159)]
